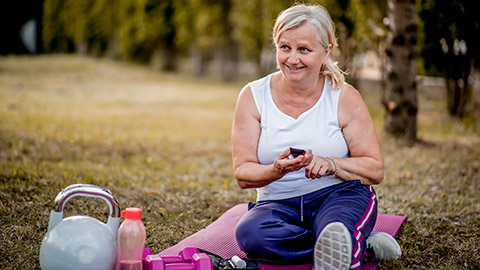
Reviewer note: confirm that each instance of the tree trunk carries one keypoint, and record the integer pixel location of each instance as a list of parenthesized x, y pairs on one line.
[(229, 61), (82, 47), (459, 84), (347, 48), (199, 61), (268, 62), (400, 95)]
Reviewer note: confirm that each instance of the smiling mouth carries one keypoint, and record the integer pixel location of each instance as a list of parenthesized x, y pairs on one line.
[(294, 68)]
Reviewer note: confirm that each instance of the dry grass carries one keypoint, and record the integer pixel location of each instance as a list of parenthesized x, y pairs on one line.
[(162, 142)]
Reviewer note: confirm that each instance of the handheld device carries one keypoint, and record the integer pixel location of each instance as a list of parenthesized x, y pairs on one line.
[(296, 152)]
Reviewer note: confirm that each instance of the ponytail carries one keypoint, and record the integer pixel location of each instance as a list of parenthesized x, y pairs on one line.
[(333, 72)]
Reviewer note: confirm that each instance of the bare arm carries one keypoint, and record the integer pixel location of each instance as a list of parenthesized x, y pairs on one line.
[(245, 135), (366, 161)]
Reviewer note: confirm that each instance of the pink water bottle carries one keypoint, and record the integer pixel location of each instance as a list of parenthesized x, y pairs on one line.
[(131, 240)]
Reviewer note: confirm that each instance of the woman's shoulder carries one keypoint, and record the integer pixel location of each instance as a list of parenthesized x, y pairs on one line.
[(259, 89), (247, 103), (350, 94), (351, 104)]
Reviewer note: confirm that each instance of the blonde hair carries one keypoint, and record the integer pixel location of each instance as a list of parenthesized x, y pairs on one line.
[(318, 16)]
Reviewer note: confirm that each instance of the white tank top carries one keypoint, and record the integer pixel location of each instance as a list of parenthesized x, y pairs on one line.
[(316, 129)]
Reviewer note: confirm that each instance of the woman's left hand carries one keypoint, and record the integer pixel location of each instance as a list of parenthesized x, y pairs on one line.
[(318, 167)]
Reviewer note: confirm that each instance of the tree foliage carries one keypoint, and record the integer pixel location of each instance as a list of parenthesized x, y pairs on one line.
[(231, 30), (82, 26), (143, 30), (254, 22), (54, 34), (452, 30), (205, 30)]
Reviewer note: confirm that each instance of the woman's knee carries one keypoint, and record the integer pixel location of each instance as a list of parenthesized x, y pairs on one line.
[(247, 231), (259, 228)]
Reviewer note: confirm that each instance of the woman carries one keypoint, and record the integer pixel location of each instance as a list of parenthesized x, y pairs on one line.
[(319, 204)]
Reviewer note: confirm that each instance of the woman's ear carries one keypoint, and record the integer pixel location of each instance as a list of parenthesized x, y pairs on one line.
[(328, 50)]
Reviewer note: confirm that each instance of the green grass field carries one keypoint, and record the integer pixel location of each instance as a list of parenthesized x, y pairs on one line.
[(161, 142)]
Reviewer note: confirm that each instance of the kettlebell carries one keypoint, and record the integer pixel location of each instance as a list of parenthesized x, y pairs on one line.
[(81, 242)]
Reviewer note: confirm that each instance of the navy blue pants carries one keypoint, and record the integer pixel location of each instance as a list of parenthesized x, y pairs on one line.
[(273, 231)]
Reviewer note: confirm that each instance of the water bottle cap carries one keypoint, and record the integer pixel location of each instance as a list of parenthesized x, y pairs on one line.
[(132, 213)]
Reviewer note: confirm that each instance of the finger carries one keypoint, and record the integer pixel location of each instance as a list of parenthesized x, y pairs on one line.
[(307, 158), (288, 165), (319, 171), (308, 170), (309, 155), (323, 171), (311, 170), (282, 165), (285, 153)]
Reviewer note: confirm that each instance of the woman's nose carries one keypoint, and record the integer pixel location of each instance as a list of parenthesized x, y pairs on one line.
[(293, 57)]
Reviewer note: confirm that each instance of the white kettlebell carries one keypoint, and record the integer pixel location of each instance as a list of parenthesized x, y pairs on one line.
[(81, 242)]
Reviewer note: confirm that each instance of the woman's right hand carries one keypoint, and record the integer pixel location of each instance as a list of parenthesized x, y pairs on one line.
[(283, 164)]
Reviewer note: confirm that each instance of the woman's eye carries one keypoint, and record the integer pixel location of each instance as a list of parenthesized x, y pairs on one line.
[(284, 47), (304, 50)]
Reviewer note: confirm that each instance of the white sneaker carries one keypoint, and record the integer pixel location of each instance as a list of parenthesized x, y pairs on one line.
[(382, 246), (333, 249)]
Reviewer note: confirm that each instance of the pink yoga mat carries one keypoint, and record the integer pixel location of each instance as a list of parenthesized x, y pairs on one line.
[(219, 237)]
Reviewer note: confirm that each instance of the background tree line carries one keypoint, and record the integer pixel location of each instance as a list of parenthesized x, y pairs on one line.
[(227, 30), (159, 32)]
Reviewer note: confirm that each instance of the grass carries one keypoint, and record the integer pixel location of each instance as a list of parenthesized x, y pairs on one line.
[(161, 142)]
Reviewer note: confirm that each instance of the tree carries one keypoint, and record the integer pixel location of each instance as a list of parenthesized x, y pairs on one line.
[(55, 38), (400, 96), (254, 20), (145, 32), (205, 30), (452, 31), (101, 38), (76, 19), (160, 33), (86, 27)]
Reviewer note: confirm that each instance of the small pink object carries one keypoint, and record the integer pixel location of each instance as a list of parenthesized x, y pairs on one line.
[(188, 259)]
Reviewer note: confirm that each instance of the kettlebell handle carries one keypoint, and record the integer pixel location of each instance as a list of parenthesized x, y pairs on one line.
[(88, 191)]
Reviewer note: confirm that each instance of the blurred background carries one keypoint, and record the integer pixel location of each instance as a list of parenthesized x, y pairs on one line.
[(231, 40), (137, 96)]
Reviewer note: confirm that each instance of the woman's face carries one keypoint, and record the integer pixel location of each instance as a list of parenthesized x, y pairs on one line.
[(300, 55)]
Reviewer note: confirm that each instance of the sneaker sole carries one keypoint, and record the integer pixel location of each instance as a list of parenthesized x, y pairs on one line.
[(333, 249)]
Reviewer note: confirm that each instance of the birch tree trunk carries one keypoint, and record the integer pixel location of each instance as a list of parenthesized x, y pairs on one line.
[(400, 94)]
